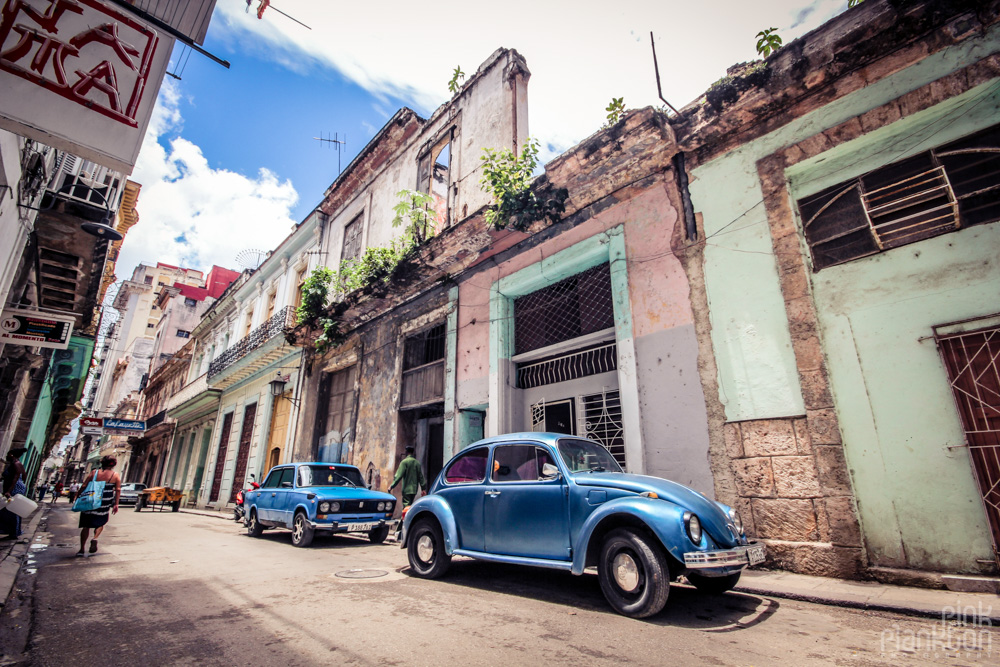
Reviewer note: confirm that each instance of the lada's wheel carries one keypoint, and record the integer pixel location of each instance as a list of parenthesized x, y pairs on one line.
[(425, 550), (302, 532), (634, 574), (714, 584), (378, 535), (254, 528)]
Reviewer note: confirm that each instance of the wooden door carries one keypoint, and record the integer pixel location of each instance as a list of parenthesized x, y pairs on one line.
[(279, 429), (246, 434), (220, 461)]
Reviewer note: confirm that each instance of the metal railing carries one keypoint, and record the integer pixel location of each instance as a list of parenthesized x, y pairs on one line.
[(273, 327)]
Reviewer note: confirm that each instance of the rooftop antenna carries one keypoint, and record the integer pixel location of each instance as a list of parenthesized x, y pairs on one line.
[(251, 259), (336, 142), (656, 67)]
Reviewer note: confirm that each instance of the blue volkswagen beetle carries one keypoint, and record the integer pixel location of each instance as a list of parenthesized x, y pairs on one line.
[(326, 497), (563, 502)]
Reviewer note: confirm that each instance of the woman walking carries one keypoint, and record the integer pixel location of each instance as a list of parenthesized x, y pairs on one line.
[(13, 484), (96, 519)]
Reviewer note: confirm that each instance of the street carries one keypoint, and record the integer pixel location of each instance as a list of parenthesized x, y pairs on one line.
[(178, 588)]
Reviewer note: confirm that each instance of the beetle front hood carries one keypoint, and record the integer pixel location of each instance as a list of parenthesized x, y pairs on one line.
[(713, 518)]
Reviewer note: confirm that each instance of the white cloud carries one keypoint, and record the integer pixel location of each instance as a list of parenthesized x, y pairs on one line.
[(581, 53), (192, 215)]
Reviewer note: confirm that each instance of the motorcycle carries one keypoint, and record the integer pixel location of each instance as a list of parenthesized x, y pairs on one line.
[(239, 511)]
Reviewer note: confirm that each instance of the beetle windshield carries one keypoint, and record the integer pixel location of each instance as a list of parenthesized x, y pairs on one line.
[(586, 456), (329, 476)]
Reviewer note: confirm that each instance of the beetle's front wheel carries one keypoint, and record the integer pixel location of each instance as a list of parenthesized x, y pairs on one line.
[(634, 574), (425, 550)]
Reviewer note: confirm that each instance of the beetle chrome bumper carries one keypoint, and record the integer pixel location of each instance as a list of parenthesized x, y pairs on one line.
[(737, 557)]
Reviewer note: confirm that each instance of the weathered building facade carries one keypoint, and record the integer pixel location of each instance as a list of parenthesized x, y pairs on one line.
[(846, 192)]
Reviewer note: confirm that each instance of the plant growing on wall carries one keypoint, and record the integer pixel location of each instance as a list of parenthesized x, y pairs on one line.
[(851, 4), (414, 210), (315, 293), (376, 265), (454, 84), (507, 180), (616, 109), (768, 41)]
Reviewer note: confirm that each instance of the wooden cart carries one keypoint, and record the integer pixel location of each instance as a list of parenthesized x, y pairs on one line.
[(159, 498)]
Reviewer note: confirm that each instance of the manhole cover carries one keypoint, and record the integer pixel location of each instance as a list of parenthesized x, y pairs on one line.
[(361, 574)]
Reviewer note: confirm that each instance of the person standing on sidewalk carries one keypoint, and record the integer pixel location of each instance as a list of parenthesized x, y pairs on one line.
[(97, 519), (13, 484), (411, 475), (42, 488)]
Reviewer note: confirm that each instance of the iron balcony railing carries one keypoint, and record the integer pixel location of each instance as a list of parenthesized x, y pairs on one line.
[(273, 327)]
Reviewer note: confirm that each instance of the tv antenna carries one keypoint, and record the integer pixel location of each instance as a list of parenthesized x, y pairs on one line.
[(335, 142), (251, 259)]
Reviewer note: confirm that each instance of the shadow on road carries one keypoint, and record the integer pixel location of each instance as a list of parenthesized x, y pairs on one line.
[(686, 607)]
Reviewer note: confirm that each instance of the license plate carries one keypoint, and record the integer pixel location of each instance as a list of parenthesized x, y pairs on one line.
[(359, 527), (755, 554)]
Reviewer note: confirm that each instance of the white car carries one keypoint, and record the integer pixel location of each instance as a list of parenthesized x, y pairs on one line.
[(130, 493)]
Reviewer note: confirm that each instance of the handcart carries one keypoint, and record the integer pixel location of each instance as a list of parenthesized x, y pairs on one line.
[(159, 498)]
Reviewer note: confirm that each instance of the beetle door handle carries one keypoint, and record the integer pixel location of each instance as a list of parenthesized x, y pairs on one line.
[(493, 493)]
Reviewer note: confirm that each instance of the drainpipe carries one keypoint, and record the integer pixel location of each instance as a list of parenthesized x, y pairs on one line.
[(681, 178)]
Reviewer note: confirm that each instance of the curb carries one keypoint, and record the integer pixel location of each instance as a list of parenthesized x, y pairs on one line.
[(209, 513), (10, 564)]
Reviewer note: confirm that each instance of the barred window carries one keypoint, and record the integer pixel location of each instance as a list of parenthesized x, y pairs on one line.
[(571, 308), (423, 367), (932, 193)]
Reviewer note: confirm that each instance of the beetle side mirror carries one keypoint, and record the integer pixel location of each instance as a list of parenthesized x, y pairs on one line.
[(549, 471)]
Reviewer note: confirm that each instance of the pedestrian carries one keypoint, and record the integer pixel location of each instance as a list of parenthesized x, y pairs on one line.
[(97, 519), (411, 475), (57, 492), (74, 491), (42, 488), (13, 484)]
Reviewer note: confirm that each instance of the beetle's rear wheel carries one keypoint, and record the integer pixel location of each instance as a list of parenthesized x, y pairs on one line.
[(634, 575)]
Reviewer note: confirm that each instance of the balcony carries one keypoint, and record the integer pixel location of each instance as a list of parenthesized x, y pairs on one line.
[(261, 348)]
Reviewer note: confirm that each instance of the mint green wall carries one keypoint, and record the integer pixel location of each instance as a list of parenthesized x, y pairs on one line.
[(917, 499)]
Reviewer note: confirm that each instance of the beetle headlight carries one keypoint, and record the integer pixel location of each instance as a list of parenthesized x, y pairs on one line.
[(324, 508), (693, 526), (334, 507), (734, 516)]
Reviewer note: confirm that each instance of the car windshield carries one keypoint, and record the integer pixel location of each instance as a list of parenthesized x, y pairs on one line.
[(330, 476), (586, 456)]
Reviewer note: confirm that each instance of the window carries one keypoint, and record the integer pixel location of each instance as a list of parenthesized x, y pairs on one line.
[(602, 421), (932, 193), (148, 280), (287, 478), (352, 239), (434, 177), (423, 367), (518, 463), (183, 334), (189, 302), (469, 467), (249, 323), (573, 307), (300, 281), (150, 325), (271, 300)]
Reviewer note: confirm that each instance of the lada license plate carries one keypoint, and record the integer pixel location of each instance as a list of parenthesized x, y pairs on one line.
[(359, 527), (755, 554)]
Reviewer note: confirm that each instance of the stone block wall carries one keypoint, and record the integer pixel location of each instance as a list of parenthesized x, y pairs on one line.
[(793, 493)]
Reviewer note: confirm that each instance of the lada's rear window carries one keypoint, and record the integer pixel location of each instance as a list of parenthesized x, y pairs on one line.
[(469, 467), (329, 476)]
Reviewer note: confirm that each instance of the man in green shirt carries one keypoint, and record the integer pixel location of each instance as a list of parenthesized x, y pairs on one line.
[(411, 475)]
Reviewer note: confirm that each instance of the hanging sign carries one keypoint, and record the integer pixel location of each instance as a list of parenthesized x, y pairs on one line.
[(80, 76), (35, 328), (123, 426), (91, 425)]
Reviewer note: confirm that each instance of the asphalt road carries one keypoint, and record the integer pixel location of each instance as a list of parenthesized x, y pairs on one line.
[(185, 589)]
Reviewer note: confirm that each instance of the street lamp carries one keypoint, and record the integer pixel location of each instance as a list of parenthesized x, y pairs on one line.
[(277, 386)]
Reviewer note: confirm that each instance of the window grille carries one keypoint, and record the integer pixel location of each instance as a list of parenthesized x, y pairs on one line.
[(423, 367), (352, 239), (562, 368), (573, 307), (602, 421), (932, 193)]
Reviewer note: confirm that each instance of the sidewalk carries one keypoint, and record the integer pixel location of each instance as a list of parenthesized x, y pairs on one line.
[(972, 608)]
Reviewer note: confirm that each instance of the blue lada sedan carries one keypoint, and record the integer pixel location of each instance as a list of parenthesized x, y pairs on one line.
[(563, 502), (326, 497)]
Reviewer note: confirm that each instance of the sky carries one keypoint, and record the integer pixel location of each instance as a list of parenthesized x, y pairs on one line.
[(230, 161)]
